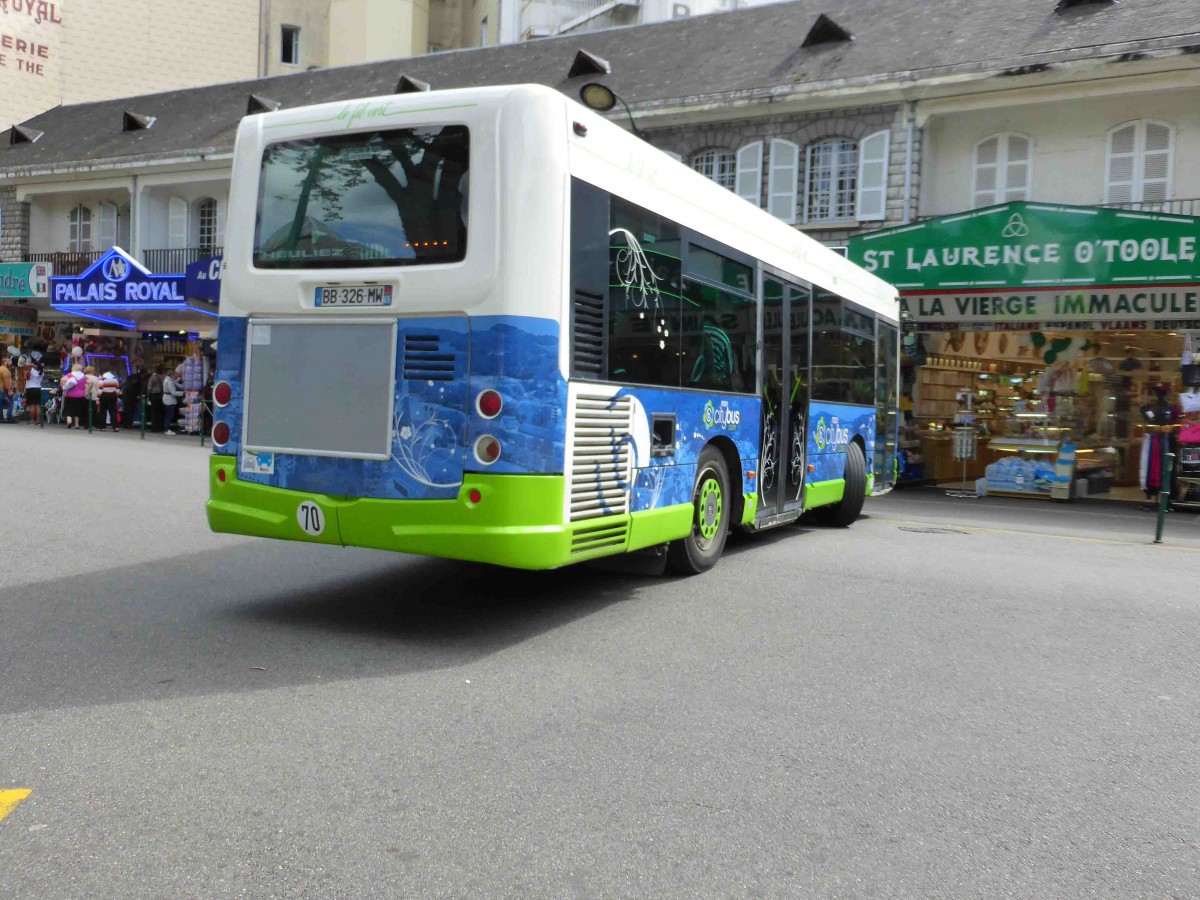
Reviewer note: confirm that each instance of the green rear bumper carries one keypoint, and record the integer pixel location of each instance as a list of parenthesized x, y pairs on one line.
[(518, 521)]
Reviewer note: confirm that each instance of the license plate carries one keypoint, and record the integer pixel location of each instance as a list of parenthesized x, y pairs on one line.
[(355, 295)]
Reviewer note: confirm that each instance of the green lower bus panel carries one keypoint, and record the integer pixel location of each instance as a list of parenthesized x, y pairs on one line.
[(516, 522)]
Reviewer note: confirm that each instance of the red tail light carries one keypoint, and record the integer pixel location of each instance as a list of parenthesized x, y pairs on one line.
[(489, 403), (220, 434), (487, 449), (222, 393)]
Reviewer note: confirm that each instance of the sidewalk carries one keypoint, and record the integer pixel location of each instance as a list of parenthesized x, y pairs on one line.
[(125, 434)]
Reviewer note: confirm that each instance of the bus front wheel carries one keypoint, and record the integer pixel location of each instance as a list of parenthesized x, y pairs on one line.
[(700, 550), (845, 511)]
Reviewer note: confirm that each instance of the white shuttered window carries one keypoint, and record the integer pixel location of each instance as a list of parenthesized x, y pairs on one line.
[(177, 223), (782, 180), (872, 175), (108, 225), (749, 173), (716, 165), (1139, 163), (1003, 163)]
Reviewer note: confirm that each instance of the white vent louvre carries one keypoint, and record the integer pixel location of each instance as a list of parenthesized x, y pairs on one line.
[(601, 464)]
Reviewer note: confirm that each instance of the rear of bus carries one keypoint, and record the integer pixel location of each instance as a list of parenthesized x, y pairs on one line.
[(389, 363)]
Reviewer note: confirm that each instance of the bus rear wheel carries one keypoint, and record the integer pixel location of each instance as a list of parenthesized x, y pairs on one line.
[(845, 511), (700, 550)]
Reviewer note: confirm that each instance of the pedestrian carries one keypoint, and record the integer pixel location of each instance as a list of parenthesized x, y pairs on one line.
[(154, 395), (74, 391), (7, 393), (131, 391), (170, 398), (33, 390), (109, 389), (92, 393)]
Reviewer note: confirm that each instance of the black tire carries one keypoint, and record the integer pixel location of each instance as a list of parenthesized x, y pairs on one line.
[(845, 511), (711, 504)]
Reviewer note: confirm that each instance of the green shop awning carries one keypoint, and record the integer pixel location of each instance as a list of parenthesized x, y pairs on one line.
[(1037, 266)]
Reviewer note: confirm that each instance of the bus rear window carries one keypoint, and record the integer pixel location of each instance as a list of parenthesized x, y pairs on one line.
[(386, 198)]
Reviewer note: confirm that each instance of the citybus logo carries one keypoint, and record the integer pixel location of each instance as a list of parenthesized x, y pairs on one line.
[(721, 416), (831, 435)]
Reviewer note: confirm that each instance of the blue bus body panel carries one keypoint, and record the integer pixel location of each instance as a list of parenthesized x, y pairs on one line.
[(442, 364)]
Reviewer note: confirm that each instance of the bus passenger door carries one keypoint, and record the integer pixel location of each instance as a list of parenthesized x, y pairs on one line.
[(796, 425), (782, 460)]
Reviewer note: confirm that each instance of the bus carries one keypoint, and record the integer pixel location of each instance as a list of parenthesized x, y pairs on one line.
[(488, 324)]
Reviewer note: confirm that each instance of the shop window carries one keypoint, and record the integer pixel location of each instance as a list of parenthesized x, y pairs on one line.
[(1002, 169), (843, 351), (716, 165), (289, 45), (1139, 162), (644, 304), (79, 234)]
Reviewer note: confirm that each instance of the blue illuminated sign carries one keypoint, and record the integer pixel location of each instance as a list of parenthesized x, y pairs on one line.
[(116, 281), (203, 279)]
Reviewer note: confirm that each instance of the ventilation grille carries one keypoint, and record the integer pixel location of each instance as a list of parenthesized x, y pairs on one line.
[(602, 456), (587, 347), (424, 359), (591, 538)]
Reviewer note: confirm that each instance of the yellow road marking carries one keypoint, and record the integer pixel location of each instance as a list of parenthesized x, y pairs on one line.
[(974, 529), (10, 799)]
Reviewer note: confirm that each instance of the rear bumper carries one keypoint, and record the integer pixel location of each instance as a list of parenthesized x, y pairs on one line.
[(518, 521)]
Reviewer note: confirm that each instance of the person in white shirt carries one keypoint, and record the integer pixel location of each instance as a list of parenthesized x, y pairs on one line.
[(171, 394), (33, 390), (108, 389)]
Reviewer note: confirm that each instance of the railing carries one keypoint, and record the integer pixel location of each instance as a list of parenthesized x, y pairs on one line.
[(160, 262), (1183, 207), (67, 262), (176, 261), (1188, 207)]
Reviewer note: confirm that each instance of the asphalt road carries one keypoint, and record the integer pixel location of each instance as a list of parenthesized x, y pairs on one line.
[(953, 698)]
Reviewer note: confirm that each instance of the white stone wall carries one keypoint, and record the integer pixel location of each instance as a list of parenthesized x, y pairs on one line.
[(98, 49), (1069, 138), (803, 130)]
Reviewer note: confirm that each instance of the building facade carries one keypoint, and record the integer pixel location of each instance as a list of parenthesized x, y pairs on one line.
[(843, 126)]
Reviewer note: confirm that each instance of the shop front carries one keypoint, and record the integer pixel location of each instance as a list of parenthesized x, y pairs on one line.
[(1048, 349), (131, 320)]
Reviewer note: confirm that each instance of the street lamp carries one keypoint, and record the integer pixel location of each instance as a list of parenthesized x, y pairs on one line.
[(602, 98)]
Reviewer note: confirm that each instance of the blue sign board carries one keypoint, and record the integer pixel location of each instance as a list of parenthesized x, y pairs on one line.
[(116, 281), (203, 279)]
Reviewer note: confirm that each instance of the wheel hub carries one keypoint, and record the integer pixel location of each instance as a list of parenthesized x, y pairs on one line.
[(710, 507)]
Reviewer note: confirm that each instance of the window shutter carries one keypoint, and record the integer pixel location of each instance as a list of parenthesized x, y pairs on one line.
[(872, 175), (748, 184), (108, 225), (1119, 169), (782, 180), (1018, 164), (1156, 163), (220, 238), (177, 214)]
